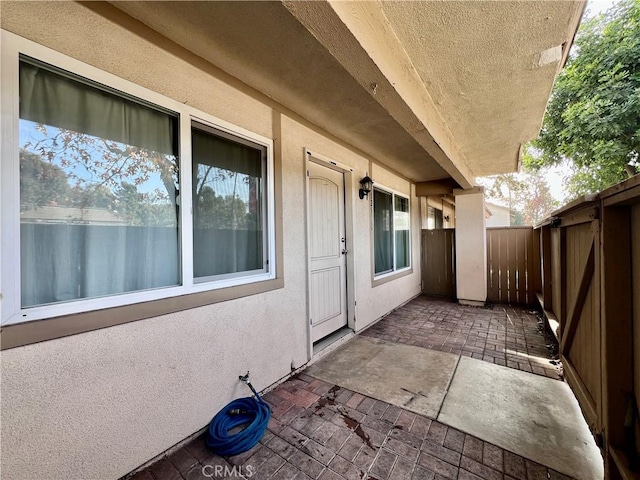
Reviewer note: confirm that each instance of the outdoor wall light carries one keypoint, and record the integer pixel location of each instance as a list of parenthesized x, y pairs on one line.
[(555, 222), (366, 184), (446, 218)]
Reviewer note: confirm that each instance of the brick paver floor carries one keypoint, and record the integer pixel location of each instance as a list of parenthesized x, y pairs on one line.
[(325, 432), (501, 334)]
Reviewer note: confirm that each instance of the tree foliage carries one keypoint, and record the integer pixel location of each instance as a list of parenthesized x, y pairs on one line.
[(41, 183), (593, 118), (71, 169), (526, 193), (93, 163)]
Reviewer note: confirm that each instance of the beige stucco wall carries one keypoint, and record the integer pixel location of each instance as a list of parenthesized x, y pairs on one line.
[(471, 248), (450, 211), (500, 216), (99, 404)]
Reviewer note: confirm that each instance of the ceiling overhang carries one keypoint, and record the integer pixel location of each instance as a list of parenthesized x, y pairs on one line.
[(432, 89), (489, 67)]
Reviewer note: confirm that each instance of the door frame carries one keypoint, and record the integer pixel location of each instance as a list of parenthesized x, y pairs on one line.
[(349, 216)]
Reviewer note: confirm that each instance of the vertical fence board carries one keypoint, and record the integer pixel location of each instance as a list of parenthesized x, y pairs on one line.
[(635, 295), (450, 259), (510, 265), (533, 267), (521, 266), (556, 274), (503, 258), (581, 356), (493, 277), (438, 262), (537, 261), (545, 255)]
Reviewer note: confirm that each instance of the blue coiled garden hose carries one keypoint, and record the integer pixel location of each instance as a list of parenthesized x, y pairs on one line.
[(252, 413)]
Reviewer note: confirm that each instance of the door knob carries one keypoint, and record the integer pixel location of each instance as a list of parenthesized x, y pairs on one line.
[(344, 251)]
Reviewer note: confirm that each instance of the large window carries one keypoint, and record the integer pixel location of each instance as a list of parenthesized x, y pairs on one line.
[(98, 188), (391, 225), (122, 198)]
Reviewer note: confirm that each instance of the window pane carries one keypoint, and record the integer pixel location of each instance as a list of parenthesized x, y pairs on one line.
[(98, 190), (228, 203), (431, 218), (438, 218), (383, 230), (401, 223)]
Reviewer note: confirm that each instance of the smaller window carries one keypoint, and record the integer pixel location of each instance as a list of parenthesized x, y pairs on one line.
[(229, 205), (392, 232)]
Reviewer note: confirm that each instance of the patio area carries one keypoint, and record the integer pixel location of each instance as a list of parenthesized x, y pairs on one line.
[(502, 334), (462, 418)]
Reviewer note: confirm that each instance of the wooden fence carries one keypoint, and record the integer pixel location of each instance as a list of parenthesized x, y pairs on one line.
[(583, 265), (438, 262), (590, 253), (513, 265)]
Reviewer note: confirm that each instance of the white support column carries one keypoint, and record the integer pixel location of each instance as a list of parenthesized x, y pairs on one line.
[(471, 247)]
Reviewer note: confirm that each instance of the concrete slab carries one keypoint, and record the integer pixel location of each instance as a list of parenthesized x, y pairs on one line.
[(532, 416), (410, 377)]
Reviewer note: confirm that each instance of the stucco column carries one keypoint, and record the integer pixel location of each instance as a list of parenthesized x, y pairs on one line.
[(471, 247)]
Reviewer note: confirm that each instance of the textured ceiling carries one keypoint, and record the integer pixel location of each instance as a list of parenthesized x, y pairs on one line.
[(479, 60)]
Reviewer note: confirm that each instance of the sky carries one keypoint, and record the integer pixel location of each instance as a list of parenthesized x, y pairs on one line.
[(597, 6)]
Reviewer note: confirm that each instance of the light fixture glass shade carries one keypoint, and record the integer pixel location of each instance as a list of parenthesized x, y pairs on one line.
[(366, 184)]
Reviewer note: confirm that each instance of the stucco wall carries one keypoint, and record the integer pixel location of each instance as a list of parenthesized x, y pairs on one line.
[(449, 210), (471, 248), (500, 216), (97, 405)]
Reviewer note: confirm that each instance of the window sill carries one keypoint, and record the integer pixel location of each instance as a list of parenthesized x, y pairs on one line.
[(389, 277), (26, 333)]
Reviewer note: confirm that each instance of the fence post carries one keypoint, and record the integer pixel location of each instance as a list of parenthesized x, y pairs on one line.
[(545, 245), (616, 308)]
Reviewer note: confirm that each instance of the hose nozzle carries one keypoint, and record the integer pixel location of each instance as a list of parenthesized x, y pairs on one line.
[(237, 411)]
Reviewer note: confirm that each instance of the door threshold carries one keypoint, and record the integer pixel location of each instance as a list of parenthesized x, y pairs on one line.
[(331, 342)]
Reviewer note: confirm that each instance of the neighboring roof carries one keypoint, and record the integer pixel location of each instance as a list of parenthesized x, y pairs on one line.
[(57, 214), (492, 207), (431, 89)]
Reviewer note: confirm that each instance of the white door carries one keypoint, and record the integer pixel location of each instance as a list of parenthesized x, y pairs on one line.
[(327, 251)]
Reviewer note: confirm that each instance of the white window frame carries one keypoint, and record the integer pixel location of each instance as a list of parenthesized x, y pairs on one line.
[(11, 311), (394, 194)]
